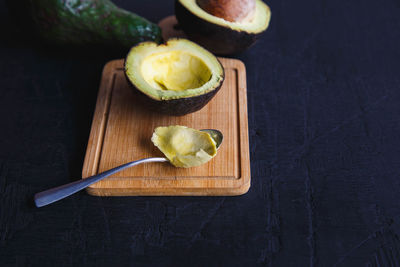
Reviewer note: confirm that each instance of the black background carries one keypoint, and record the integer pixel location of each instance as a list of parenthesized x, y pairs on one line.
[(324, 103)]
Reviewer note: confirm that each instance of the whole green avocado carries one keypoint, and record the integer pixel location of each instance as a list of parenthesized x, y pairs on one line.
[(88, 22)]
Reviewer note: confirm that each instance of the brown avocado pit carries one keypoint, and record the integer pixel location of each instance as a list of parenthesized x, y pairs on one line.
[(230, 10), (220, 27), (175, 78)]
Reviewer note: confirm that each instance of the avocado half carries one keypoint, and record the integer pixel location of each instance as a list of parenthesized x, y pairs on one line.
[(175, 78), (218, 35)]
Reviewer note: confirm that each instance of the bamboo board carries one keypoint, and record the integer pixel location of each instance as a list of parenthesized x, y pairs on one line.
[(122, 128)]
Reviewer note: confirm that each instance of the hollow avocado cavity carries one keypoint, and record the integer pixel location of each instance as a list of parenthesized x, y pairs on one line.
[(175, 70)]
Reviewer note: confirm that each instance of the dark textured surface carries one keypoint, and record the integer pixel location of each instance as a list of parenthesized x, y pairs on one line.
[(324, 115)]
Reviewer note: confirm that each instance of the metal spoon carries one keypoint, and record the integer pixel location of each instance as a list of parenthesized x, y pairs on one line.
[(54, 194)]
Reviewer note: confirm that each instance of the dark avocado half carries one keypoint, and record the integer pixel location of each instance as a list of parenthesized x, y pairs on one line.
[(175, 78), (218, 35)]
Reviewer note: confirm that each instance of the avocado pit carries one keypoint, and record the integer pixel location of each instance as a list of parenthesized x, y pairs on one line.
[(230, 10)]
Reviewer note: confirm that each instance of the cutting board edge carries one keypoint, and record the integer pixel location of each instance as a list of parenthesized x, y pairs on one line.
[(104, 192)]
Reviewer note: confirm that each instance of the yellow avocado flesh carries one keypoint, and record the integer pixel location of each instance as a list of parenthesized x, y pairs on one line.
[(184, 147), (175, 70)]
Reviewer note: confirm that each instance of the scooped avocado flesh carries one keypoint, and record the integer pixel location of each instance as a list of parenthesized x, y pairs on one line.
[(177, 69), (258, 21), (184, 147)]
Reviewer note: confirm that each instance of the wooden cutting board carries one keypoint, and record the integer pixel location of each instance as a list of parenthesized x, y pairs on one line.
[(122, 128)]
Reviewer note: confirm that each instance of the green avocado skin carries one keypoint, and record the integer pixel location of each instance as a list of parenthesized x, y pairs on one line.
[(89, 22)]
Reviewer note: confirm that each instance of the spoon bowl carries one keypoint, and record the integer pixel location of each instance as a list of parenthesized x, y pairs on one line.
[(54, 194), (216, 135)]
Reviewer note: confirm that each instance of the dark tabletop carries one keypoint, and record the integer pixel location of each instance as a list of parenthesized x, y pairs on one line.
[(324, 118)]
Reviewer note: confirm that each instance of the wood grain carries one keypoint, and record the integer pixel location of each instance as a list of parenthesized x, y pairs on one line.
[(122, 128)]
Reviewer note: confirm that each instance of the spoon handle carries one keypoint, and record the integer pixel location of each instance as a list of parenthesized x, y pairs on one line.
[(54, 194)]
